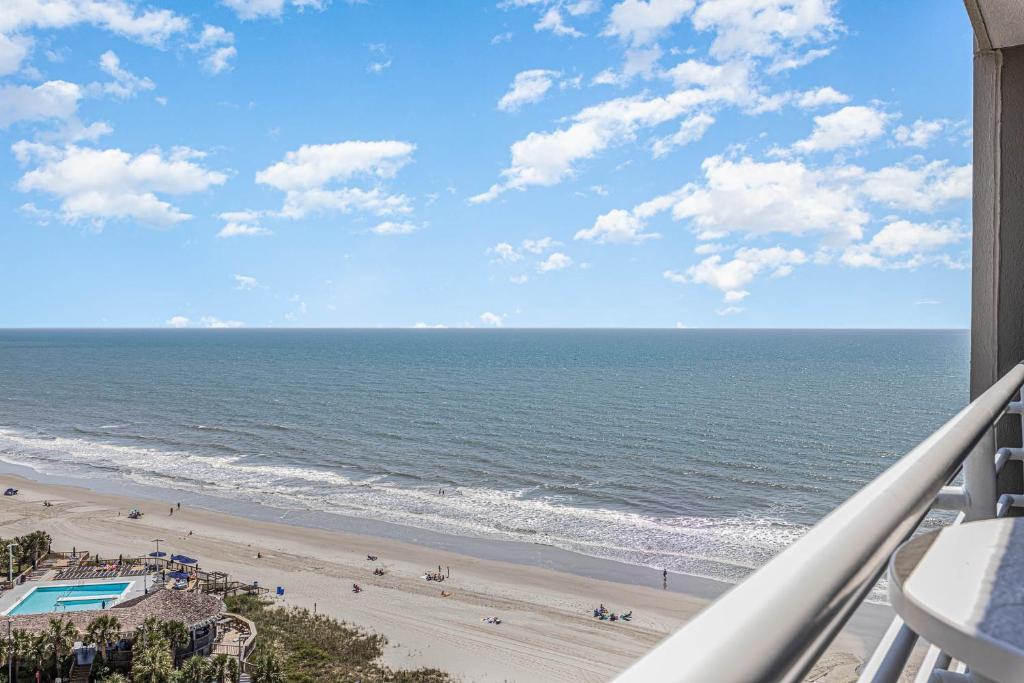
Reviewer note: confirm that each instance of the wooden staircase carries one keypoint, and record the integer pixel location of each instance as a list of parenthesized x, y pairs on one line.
[(80, 673)]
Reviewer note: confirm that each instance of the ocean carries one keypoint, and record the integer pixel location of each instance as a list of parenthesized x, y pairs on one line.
[(700, 451)]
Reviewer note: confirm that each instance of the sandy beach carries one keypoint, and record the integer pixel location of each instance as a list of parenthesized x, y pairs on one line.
[(547, 634)]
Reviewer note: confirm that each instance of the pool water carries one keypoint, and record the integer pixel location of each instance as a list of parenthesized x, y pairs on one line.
[(70, 598)]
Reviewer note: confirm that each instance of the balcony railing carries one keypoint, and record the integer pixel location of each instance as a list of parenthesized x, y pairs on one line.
[(775, 625)]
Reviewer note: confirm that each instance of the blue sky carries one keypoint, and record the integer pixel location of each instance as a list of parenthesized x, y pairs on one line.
[(699, 163)]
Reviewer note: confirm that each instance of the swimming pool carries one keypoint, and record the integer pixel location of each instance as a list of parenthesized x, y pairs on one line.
[(75, 598)]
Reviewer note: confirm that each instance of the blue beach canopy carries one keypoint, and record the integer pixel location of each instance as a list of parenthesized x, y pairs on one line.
[(177, 575), (183, 559), (158, 554)]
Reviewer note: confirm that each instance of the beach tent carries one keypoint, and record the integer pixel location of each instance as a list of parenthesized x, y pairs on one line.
[(183, 559)]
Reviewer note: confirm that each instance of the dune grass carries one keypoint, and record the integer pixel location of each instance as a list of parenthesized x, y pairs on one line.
[(317, 647)]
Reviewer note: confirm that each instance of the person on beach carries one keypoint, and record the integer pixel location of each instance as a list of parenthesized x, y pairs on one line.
[(172, 510), (179, 505), (664, 579)]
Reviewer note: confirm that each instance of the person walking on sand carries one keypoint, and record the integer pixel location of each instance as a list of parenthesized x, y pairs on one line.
[(179, 505), (664, 579), (172, 511)]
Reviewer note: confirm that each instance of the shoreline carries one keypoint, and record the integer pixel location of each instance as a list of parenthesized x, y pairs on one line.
[(548, 632)]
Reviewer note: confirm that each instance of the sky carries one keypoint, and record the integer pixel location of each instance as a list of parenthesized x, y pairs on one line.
[(485, 163)]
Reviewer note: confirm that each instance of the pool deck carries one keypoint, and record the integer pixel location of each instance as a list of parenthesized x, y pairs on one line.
[(12, 597)]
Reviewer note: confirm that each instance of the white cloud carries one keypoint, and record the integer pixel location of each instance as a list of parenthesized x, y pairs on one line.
[(488, 318), (13, 50), (425, 326), (393, 228), (539, 246), (555, 261), (553, 21), (260, 9), (820, 97), (548, 158), (125, 84), (49, 100), (501, 38), (849, 127), (581, 7), (642, 21), (313, 166), (730, 310), (920, 133), (708, 248), (731, 277), (379, 67), (903, 244), (246, 282), (924, 187), (527, 87), (690, 130), (178, 321), (218, 324), (755, 198), (617, 227), (218, 44), (519, 279), (148, 26), (505, 252), (219, 60), (101, 184), (765, 28), (305, 174), (242, 230)]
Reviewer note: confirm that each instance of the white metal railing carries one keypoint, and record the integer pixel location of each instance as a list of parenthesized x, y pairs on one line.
[(775, 625)]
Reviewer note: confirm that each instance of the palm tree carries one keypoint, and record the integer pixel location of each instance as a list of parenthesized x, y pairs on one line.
[(194, 670), (264, 667), (176, 634), (114, 678), (234, 670), (219, 668), (101, 632), (151, 660), (21, 648), (61, 635), (38, 652)]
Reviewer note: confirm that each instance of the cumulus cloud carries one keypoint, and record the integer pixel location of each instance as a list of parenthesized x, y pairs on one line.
[(920, 187), (617, 227), (690, 130), (246, 282), (306, 174), (904, 244), (555, 261), (394, 228), (218, 324), (758, 198), (766, 28), (102, 184), (849, 127), (505, 252), (241, 224), (264, 9), (642, 21), (553, 21), (732, 276), (125, 83), (820, 97), (49, 100), (920, 133), (147, 26), (527, 87), (178, 321), (493, 319), (549, 158)]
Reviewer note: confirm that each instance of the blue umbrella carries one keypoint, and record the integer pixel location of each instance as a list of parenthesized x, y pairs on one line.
[(178, 575), (183, 559), (160, 553)]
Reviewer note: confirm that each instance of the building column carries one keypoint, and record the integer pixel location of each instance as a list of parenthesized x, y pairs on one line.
[(997, 298)]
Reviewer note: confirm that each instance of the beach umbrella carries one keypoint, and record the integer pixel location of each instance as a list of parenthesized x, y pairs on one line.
[(183, 559), (158, 554), (178, 575)]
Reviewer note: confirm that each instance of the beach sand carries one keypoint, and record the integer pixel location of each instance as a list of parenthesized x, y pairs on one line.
[(547, 634)]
